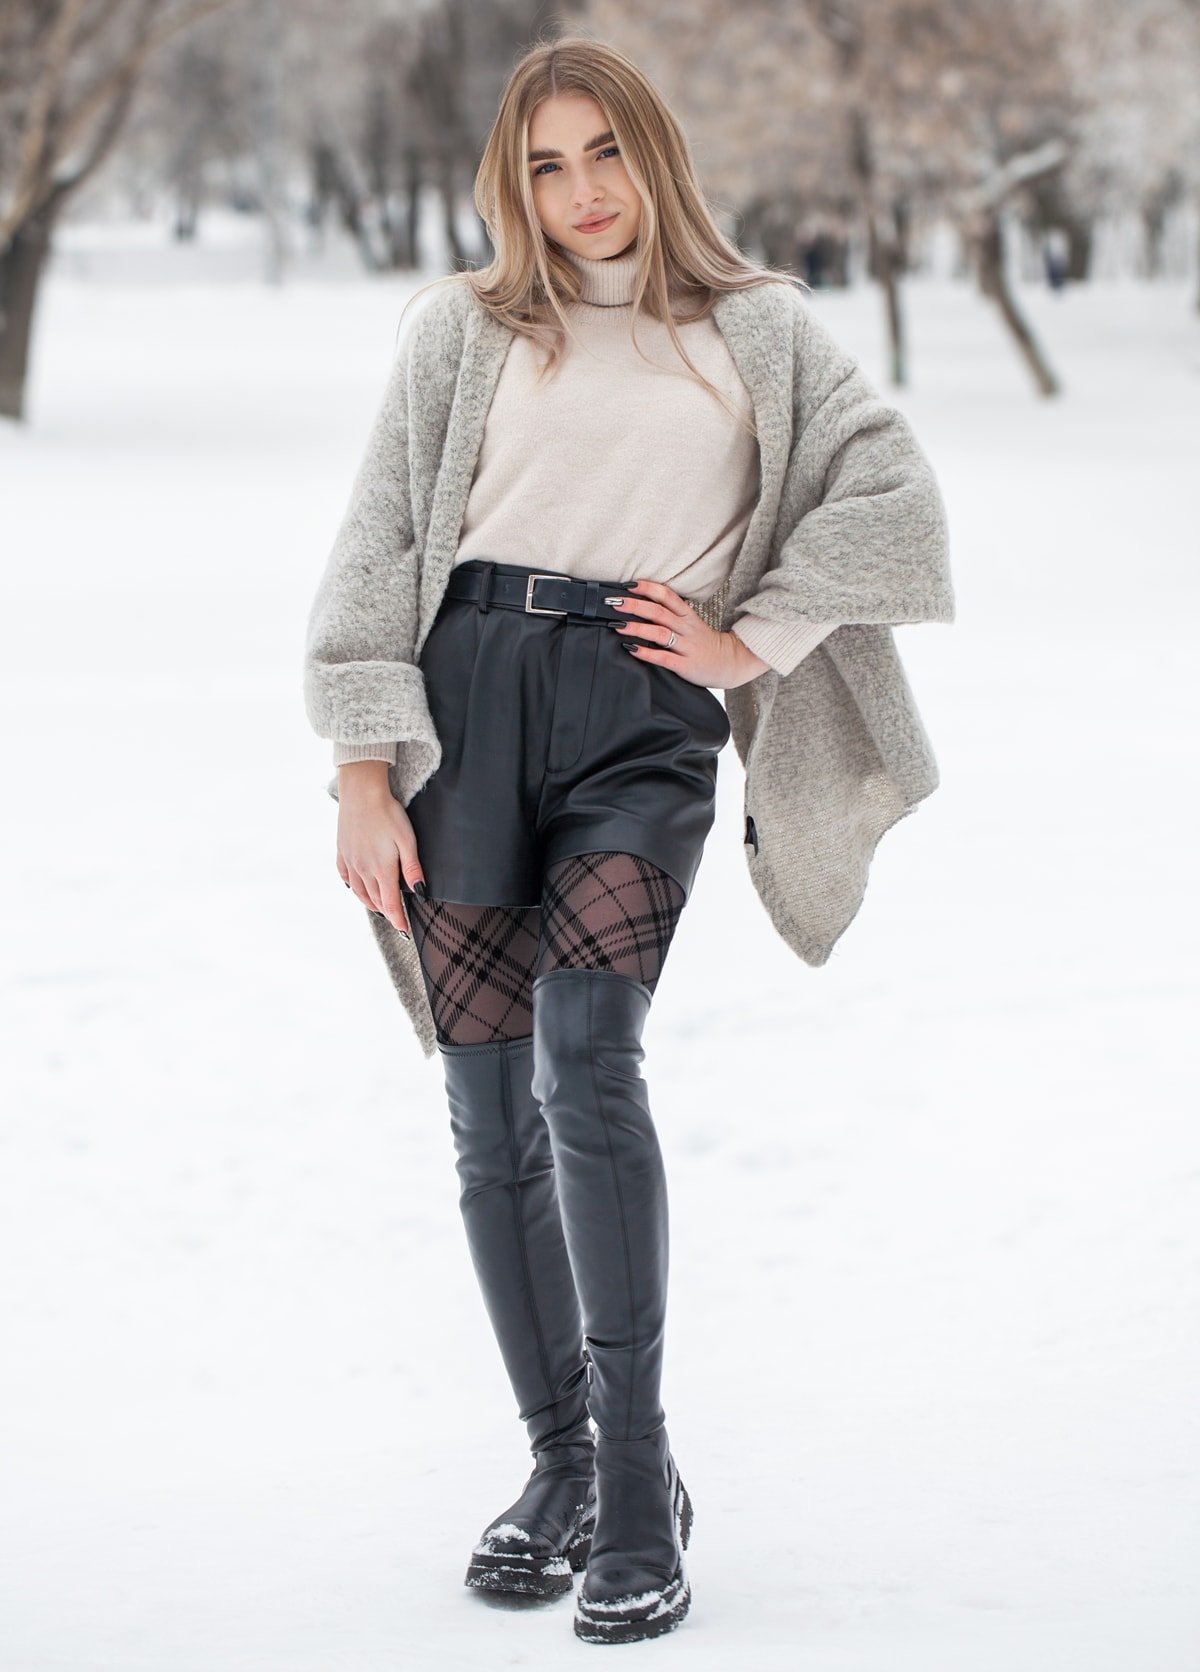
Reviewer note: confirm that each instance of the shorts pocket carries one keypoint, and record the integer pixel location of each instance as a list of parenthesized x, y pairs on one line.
[(446, 661), (703, 709)]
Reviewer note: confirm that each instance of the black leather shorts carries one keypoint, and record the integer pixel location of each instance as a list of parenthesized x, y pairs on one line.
[(556, 741)]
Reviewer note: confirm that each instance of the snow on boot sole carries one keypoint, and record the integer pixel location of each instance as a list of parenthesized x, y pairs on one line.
[(649, 1614), (512, 1574)]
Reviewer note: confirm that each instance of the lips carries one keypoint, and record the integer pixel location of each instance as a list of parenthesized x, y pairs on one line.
[(595, 225)]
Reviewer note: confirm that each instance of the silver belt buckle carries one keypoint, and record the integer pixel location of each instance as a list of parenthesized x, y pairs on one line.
[(530, 607)]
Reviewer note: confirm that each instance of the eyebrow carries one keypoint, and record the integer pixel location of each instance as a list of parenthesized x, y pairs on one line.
[(592, 145)]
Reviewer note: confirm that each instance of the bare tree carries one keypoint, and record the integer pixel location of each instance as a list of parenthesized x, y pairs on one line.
[(187, 134), (879, 113), (394, 96), (818, 136), (756, 90), (1140, 65), (353, 122), (70, 70), (836, 129), (880, 51)]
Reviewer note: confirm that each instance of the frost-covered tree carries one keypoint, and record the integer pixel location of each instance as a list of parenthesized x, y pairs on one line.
[(1138, 62), (866, 118), (68, 73), (394, 96)]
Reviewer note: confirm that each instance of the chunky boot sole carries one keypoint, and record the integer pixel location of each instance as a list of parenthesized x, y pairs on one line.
[(532, 1547), (512, 1574), (650, 1613)]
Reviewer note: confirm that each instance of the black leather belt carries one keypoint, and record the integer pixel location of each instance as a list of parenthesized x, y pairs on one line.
[(535, 591)]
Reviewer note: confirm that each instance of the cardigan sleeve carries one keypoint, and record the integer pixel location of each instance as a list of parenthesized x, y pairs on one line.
[(868, 539), (362, 687)]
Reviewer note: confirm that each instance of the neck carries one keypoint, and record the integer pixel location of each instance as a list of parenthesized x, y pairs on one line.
[(606, 284)]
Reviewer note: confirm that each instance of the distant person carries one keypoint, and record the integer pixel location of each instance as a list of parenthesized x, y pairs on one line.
[(1054, 250), (536, 591), (814, 263)]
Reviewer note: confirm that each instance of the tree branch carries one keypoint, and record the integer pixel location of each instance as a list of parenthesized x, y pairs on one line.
[(107, 99), (32, 162)]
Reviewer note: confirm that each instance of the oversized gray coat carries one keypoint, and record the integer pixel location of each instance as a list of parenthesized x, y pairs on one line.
[(849, 526)]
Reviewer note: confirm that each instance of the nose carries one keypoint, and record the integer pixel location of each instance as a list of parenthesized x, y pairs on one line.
[(584, 194)]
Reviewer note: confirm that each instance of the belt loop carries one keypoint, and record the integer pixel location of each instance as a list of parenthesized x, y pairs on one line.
[(591, 600), (485, 583)]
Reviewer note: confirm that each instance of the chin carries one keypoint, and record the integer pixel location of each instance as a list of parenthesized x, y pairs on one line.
[(596, 248)]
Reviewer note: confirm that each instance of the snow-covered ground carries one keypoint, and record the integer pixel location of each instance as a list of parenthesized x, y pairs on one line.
[(932, 1359)]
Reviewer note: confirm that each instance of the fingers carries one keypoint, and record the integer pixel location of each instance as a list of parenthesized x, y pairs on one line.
[(692, 656), (381, 893), (658, 632), (390, 892), (410, 866), (656, 611), (392, 903), (381, 896), (660, 594), (358, 887), (380, 836), (669, 608)]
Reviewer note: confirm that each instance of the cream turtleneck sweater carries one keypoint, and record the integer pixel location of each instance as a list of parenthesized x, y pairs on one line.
[(616, 469)]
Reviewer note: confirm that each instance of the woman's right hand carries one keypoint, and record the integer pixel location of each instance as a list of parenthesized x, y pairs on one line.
[(376, 844)]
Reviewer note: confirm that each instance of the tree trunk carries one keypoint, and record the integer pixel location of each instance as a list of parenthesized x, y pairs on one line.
[(896, 342), (269, 148), (187, 211), (1079, 248), (412, 199), (1054, 207), (838, 262), (445, 169), (22, 264), (885, 258), (1154, 222), (886, 262), (333, 174), (994, 283)]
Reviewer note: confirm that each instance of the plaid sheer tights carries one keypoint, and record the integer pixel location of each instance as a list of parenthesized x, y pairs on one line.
[(609, 911)]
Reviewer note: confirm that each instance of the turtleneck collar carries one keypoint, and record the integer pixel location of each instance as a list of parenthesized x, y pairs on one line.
[(606, 284)]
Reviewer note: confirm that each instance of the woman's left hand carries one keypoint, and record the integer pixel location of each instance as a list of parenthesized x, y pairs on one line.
[(698, 652)]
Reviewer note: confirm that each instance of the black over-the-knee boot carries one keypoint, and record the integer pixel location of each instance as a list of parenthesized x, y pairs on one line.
[(587, 1027), (514, 1231)]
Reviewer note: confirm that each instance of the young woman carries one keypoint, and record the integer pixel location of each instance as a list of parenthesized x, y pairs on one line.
[(589, 454)]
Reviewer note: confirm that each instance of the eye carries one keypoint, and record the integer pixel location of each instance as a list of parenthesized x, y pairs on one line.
[(615, 151)]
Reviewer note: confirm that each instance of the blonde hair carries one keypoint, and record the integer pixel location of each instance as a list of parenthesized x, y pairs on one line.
[(682, 252)]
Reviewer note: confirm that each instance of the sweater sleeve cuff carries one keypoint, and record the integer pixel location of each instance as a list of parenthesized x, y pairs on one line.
[(781, 644), (343, 752)]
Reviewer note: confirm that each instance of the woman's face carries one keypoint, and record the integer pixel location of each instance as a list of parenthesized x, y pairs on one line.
[(583, 180)]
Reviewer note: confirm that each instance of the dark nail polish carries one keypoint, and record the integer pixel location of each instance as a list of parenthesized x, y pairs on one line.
[(420, 890)]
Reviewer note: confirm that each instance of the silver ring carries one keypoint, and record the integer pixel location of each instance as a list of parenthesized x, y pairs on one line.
[(670, 641)]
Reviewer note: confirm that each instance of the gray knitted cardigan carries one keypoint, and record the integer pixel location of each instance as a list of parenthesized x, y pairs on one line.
[(849, 526)]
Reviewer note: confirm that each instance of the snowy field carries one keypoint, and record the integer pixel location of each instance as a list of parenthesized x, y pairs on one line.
[(932, 1354)]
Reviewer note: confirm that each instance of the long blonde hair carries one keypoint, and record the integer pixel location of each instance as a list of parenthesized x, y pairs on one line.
[(682, 253)]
